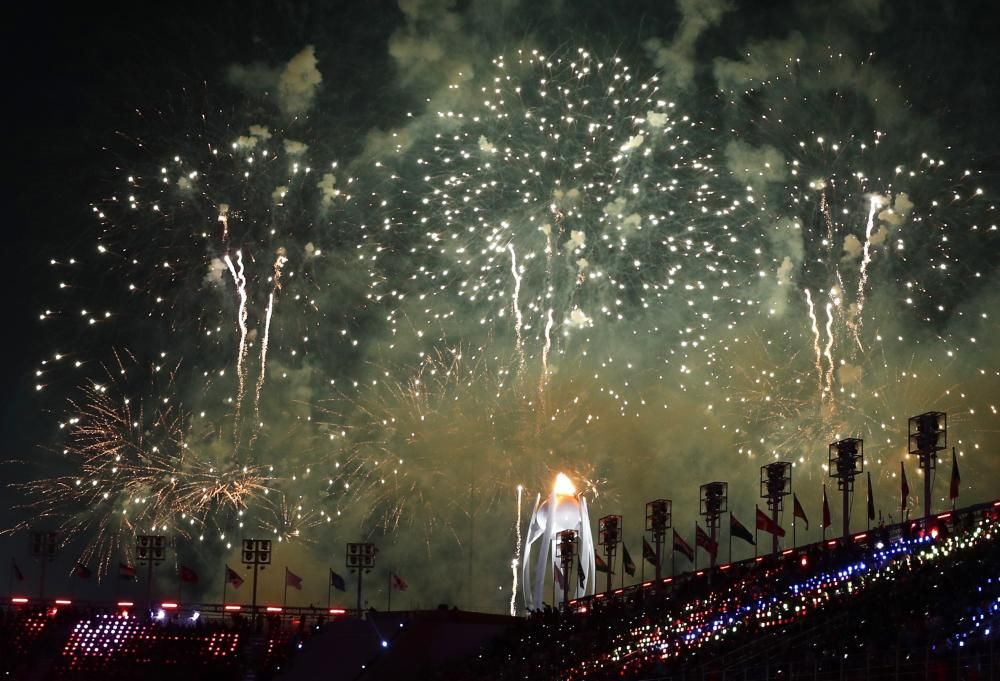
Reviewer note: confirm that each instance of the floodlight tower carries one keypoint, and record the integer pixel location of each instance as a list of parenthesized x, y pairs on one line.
[(360, 557), (928, 436), (150, 550), (566, 553), (659, 519), (44, 545), (714, 502), (775, 485), (256, 556), (610, 530), (847, 460)]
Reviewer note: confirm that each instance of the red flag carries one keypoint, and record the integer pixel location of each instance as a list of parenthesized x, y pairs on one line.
[(702, 539), (871, 499), (826, 510), (126, 571), (768, 525), (233, 577), (600, 564), (798, 511), (81, 571), (905, 488), (293, 580), (956, 479), (398, 583), (682, 547), (188, 575), (18, 575)]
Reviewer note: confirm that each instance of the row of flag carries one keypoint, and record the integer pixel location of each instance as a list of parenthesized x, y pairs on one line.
[(233, 578), (764, 524)]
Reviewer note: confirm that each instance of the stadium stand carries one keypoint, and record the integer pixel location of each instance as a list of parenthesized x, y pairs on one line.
[(915, 601)]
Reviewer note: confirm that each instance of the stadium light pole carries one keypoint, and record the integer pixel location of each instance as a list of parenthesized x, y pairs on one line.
[(659, 519), (610, 529), (566, 552), (714, 502), (256, 556), (43, 546), (151, 550), (360, 558), (775, 485), (928, 435), (843, 464)]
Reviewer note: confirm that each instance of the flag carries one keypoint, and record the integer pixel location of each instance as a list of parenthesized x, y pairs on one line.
[(826, 510), (399, 584), (18, 575), (188, 575), (558, 576), (736, 529), (600, 564), (627, 563), (956, 479), (337, 582), (648, 553), (768, 525), (82, 571), (905, 488), (681, 546), (293, 580), (798, 511), (871, 499), (702, 539), (233, 577), (125, 571), (582, 577)]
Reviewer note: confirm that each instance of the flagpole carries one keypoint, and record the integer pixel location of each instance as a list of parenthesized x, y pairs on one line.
[(329, 589), (10, 578), (730, 536), (673, 557), (696, 546), (756, 510), (284, 598), (388, 607), (954, 462), (225, 583), (822, 521), (795, 525), (642, 568), (868, 525)]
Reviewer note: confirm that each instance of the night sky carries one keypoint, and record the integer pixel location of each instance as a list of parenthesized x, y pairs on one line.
[(597, 255)]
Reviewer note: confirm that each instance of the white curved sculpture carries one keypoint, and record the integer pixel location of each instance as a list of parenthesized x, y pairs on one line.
[(564, 509)]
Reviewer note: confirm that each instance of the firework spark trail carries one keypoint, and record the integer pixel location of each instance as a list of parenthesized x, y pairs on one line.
[(863, 277), (816, 341), (517, 555), (239, 277), (828, 351), (549, 323), (278, 264), (224, 219), (516, 305)]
